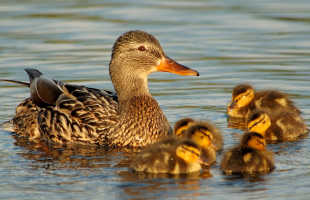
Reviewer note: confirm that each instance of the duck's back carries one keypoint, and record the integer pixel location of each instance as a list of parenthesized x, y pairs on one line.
[(79, 115), (273, 101), (286, 126), (247, 161)]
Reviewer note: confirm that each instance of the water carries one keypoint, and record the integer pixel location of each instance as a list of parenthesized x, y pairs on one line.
[(265, 43)]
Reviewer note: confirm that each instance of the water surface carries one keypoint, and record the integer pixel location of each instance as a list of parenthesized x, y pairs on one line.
[(265, 43)]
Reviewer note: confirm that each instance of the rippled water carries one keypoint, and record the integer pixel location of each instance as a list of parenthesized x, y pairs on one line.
[(266, 43)]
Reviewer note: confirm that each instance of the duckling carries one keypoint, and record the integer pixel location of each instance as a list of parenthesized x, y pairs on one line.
[(181, 158), (64, 113), (204, 134), (245, 100), (187, 128), (249, 158), (279, 127)]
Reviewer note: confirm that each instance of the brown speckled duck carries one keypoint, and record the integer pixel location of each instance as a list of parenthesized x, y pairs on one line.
[(179, 158), (64, 113), (249, 158), (245, 100), (279, 127)]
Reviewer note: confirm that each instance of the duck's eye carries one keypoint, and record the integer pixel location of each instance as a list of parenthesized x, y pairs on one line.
[(141, 48)]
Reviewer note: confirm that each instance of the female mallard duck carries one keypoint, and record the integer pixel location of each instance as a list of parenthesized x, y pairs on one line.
[(245, 100), (248, 158), (65, 113), (179, 158), (285, 126)]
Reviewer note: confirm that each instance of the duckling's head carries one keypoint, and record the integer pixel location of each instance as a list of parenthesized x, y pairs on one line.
[(202, 135), (181, 126), (259, 122), (188, 151), (253, 140), (242, 95), (135, 55)]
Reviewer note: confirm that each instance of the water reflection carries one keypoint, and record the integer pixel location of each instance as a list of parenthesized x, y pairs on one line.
[(58, 157), (157, 186)]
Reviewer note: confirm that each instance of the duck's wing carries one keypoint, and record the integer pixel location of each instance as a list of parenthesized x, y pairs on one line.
[(67, 113)]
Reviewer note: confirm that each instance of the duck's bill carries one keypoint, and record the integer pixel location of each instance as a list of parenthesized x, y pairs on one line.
[(203, 163), (169, 65)]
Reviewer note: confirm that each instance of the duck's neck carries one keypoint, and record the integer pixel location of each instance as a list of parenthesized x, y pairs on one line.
[(128, 84)]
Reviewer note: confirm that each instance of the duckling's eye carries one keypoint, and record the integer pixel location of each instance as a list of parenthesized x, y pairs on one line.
[(141, 48)]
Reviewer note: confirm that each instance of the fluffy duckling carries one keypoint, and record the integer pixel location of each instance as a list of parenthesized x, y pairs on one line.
[(245, 100), (285, 126), (191, 129), (248, 158), (180, 158), (204, 134)]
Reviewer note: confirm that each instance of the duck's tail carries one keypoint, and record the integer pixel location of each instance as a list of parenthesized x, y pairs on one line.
[(7, 126), (17, 82)]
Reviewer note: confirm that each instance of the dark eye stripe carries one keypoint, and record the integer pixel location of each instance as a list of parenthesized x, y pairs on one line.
[(256, 123), (205, 134), (197, 154)]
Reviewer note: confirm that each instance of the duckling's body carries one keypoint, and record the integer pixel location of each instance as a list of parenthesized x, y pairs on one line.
[(181, 158), (64, 113), (245, 100), (250, 157), (279, 127)]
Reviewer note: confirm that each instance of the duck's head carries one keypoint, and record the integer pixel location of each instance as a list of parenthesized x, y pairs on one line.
[(259, 122), (135, 55), (181, 126), (202, 135), (253, 140), (242, 95), (188, 151)]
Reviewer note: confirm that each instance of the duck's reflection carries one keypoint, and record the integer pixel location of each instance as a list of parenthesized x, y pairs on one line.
[(57, 157), (237, 123)]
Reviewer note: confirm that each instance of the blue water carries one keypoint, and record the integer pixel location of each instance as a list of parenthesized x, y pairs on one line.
[(265, 43)]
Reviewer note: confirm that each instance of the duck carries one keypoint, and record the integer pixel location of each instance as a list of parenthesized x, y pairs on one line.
[(179, 158), (278, 127), (250, 157), (63, 113), (245, 100)]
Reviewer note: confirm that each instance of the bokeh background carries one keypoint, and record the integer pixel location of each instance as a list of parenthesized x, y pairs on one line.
[(262, 42)]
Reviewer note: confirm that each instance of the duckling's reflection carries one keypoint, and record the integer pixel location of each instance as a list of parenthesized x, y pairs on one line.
[(237, 123), (159, 186)]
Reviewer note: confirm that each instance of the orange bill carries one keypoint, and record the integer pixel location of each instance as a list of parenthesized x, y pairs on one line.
[(169, 65)]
